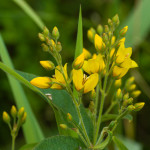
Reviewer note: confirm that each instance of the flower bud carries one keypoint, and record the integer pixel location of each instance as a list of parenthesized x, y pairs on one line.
[(23, 119), (90, 34), (93, 94), (106, 28), (63, 126), (100, 29), (69, 116), (123, 31), (130, 107), (118, 83), (87, 54), (21, 112), (121, 41), (112, 52), (6, 117), (136, 93), (91, 106), (47, 65), (55, 33), (128, 101), (110, 22), (41, 37), (131, 87), (98, 42), (41, 82), (105, 37), (58, 47), (52, 45), (139, 106), (45, 47), (119, 94), (46, 31), (115, 19), (113, 40), (78, 62), (129, 82), (13, 111), (126, 96)]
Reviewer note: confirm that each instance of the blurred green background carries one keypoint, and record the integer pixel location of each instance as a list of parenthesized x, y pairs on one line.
[(20, 35)]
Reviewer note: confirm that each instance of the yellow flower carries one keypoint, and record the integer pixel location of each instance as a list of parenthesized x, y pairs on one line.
[(41, 82), (98, 42), (47, 65), (59, 78), (86, 53), (83, 83), (94, 65), (78, 62)]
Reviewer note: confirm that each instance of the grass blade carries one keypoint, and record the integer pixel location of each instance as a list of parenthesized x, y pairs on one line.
[(30, 12), (32, 131)]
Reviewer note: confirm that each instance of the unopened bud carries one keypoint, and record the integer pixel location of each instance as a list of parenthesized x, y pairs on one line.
[(45, 47), (131, 87), (52, 45), (113, 40), (139, 106), (128, 101), (106, 28), (46, 31), (136, 93), (93, 94), (21, 112), (91, 106), (115, 19), (6, 117), (58, 47), (105, 37), (100, 29), (110, 22), (78, 62), (129, 82), (98, 42), (123, 31), (118, 83), (23, 119), (91, 33), (126, 96), (41, 37), (47, 65), (112, 52), (69, 117), (130, 107), (63, 126), (13, 111), (55, 33), (119, 94)]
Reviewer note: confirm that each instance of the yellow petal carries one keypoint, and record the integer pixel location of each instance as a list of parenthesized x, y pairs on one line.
[(94, 56), (86, 53), (134, 64), (78, 79), (41, 82), (55, 85), (91, 66), (112, 52), (101, 62), (98, 42), (58, 75), (78, 62), (91, 82), (113, 40), (119, 72)]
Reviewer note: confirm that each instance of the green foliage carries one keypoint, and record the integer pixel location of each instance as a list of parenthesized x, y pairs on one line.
[(58, 143), (28, 146), (31, 129)]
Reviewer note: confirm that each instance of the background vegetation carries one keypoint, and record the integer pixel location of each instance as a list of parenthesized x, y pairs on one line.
[(19, 32)]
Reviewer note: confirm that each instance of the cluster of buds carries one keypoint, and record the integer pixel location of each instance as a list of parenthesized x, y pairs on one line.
[(19, 118)]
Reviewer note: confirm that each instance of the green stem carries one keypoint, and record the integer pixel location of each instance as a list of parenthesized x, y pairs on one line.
[(13, 142), (110, 107)]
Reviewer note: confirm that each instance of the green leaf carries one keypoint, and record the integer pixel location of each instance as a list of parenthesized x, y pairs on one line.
[(30, 12), (58, 143), (119, 144), (108, 117), (139, 23), (79, 41), (103, 144), (28, 146), (61, 100), (31, 128)]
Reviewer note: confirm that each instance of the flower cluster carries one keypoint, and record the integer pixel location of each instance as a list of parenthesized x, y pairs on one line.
[(95, 73)]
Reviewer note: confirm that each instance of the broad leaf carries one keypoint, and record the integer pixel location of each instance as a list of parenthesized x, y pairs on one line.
[(28, 146), (119, 144), (58, 143)]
